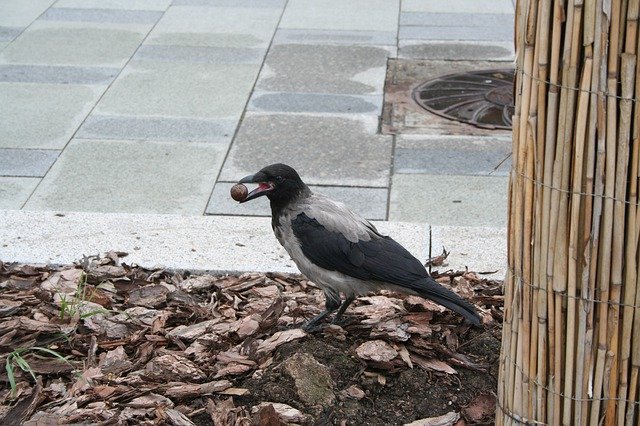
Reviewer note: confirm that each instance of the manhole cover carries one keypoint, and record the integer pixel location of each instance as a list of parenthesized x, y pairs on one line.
[(482, 98)]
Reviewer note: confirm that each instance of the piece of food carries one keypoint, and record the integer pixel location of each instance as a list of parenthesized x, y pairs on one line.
[(239, 192)]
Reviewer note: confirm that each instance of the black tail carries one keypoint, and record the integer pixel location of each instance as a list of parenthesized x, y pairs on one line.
[(430, 289)]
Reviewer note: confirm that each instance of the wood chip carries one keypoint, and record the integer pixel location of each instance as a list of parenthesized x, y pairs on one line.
[(448, 419), (376, 350), (279, 338)]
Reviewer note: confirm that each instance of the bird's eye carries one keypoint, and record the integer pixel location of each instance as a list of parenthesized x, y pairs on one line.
[(279, 179)]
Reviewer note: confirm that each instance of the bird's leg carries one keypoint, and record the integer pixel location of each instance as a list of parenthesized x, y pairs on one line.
[(332, 303), (343, 308)]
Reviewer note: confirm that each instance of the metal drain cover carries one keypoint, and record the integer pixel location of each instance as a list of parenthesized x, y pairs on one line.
[(482, 98)]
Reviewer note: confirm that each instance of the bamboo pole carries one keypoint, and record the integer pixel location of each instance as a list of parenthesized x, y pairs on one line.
[(572, 321)]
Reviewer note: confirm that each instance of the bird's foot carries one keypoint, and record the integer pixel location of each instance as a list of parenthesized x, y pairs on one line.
[(343, 321)]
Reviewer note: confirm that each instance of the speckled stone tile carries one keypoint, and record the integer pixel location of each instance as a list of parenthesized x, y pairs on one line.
[(15, 191), (130, 176), (43, 116), (196, 90), (353, 15), (449, 200), (26, 162), (326, 150), (324, 69)]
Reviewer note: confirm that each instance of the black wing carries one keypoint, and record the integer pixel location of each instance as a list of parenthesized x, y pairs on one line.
[(379, 259)]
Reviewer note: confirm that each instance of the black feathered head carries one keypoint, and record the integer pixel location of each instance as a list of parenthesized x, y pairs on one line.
[(279, 182)]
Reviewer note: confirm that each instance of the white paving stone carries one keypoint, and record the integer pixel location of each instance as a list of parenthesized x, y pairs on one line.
[(361, 15)]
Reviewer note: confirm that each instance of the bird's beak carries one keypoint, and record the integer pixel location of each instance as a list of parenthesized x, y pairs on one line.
[(263, 187)]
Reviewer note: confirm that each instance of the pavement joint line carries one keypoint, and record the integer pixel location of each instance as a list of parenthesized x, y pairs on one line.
[(95, 104), (246, 105)]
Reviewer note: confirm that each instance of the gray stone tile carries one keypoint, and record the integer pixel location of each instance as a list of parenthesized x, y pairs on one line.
[(56, 74), (342, 151), (26, 162), (119, 16), (116, 4), (359, 15), (449, 200), (129, 176), (207, 39), (216, 26), (9, 33), (457, 19), (305, 36), (201, 54), (452, 155), (232, 3), (182, 90), (157, 128), (458, 32), (64, 43), (42, 115), (22, 13), (314, 102), (15, 191), (461, 51), (371, 203), (458, 6), (358, 70)]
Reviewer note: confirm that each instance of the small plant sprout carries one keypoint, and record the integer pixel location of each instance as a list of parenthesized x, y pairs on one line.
[(16, 358)]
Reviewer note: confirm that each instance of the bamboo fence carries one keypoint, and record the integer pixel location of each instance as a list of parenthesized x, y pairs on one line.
[(571, 340)]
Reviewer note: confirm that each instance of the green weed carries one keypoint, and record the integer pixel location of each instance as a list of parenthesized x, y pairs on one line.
[(16, 358)]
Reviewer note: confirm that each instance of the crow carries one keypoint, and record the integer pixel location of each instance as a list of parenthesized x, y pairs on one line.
[(340, 251)]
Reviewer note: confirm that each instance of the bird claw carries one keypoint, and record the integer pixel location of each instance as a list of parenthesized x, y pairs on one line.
[(313, 326)]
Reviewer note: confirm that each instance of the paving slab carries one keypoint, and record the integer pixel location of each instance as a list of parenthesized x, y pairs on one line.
[(458, 6), (116, 4), (43, 116), (130, 176), (216, 26), (26, 162), (456, 32), (354, 15), (456, 19), (201, 54), (309, 36), (71, 43), (315, 102), (371, 203), (157, 128), (22, 13), (324, 69), (122, 16), (326, 150), (14, 192), (452, 155), (211, 243), (232, 3), (449, 200), (456, 51), (56, 74), (180, 90), (480, 249), (9, 33)]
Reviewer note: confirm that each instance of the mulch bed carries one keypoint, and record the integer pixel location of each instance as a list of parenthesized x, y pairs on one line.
[(103, 342)]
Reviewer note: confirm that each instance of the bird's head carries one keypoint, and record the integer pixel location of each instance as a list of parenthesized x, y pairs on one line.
[(279, 182)]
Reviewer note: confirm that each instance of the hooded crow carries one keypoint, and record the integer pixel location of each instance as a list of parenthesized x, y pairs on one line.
[(340, 251)]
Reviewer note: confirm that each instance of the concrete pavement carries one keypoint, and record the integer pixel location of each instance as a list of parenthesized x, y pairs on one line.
[(119, 110)]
